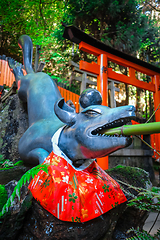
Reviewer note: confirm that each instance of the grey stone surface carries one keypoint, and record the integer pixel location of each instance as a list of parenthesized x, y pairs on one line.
[(13, 123), (12, 222)]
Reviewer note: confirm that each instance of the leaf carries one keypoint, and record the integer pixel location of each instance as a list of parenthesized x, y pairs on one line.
[(17, 190), (18, 193)]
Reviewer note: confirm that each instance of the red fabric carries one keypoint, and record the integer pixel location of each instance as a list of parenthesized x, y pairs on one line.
[(75, 196)]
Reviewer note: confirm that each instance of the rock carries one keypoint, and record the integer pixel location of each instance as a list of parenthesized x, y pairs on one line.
[(13, 123), (8, 174), (12, 222), (137, 154), (132, 217), (113, 225), (40, 224)]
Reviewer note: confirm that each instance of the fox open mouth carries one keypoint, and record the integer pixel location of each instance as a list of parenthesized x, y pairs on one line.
[(100, 131)]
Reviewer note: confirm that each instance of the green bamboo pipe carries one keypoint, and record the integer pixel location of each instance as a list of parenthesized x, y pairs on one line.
[(137, 129)]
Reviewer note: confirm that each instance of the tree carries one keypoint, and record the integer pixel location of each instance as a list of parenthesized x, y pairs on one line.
[(35, 18), (119, 23), (150, 47)]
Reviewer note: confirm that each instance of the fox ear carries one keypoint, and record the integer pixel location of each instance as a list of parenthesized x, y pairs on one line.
[(65, 113)]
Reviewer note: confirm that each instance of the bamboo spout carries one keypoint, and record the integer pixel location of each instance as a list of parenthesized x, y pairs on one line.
[(138, 129)]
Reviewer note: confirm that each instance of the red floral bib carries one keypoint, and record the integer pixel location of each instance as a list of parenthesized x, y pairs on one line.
[(75, 196)]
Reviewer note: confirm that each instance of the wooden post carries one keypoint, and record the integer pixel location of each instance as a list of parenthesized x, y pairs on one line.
[(84, 81), (112, 94)]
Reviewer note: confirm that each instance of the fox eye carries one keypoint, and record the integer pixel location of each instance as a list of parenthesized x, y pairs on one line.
[(91, 113)]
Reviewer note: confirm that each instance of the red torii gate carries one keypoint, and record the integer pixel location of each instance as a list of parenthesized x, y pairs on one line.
[(104, 54)]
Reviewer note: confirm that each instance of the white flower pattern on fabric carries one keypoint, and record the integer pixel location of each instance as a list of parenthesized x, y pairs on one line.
[(96, 211), (65, 179), (101, 194), (47, 161), (89, 180)]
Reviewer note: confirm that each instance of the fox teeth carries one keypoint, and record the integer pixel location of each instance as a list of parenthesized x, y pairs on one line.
[(116, 123)]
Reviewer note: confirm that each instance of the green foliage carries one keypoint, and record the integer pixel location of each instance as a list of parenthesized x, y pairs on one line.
[(142, 235), (24, 179), (38, 19), (156, 166), (3, 196), (6, 163), (1, 159), (19, 163), (148, 200), (118, 23), (6, 87)]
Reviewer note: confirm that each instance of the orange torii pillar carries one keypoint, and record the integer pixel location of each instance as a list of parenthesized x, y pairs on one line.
[(157, 114), (102, 87)]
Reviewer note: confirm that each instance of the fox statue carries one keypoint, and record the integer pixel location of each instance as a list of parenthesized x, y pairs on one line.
[(69, 143)]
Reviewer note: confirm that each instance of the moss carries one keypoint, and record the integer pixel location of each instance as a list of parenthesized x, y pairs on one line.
[(3, 196), (19, 163), (133, 175), (27, 203)]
